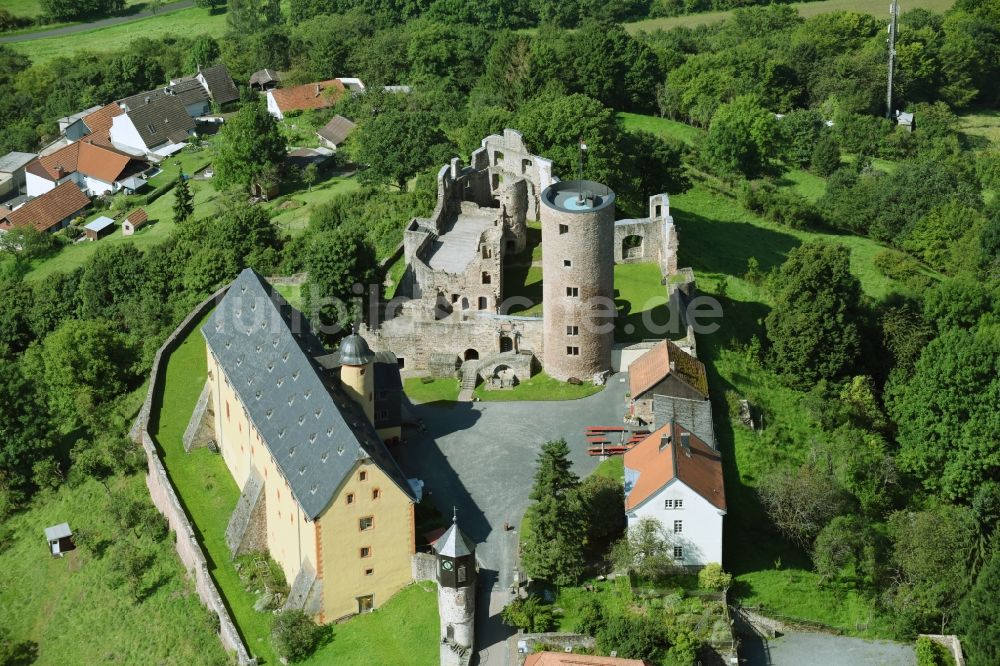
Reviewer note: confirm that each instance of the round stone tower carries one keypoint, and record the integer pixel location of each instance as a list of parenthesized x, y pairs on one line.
[(578, 275), (456, 577), (357, 374)]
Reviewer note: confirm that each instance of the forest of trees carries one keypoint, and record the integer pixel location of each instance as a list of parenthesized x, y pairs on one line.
[(904, 388)]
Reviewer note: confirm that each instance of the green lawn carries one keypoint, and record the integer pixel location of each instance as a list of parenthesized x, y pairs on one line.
[(292, 294), (33, 8), (642, 304), (539, 387), (393, 276), (985, 124), (437, 390), (663, 127), (189, 22), (717, 237), (291, 211), (68, 607), (803, 183), (806, 9), (613, 468), (404, 631)]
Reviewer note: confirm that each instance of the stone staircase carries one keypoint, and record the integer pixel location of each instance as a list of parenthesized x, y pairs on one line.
[(469, 378)]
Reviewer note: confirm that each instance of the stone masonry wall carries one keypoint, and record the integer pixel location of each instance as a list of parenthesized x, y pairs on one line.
[(165, 499)]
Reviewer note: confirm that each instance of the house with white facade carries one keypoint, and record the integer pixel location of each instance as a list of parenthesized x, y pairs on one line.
[(676, 479), (96, 170), (157, 129)]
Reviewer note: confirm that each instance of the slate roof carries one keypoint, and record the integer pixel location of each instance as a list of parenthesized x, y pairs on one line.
[(99, 124), (454, 543), (220, 85), (315, 432), (654, 462), (653, 367), (189, 91), (168, 118), (13, 161), (98, 162), (337, 130), (137, 100), (51, 208), (308, 96), (694, 415)]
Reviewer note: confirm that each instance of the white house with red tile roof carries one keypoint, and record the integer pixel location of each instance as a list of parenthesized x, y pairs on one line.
[(95, 169), (676, 479)]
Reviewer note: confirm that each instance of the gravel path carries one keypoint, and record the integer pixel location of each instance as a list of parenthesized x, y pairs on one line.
[(96, 25)]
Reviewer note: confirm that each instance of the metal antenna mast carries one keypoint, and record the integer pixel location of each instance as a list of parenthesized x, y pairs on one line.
[(893, 16)]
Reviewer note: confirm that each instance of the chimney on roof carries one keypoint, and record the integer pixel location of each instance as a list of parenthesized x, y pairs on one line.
[(686, 443), (664, 442), (60, 172)]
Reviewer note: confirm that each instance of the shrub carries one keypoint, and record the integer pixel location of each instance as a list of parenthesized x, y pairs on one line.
[(932, 653), (778, 206), (591, 617), (294, 635), (712, 577), (528, 614)]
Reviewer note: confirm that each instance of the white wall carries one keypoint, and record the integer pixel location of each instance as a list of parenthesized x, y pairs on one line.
[(272, 107), (701, 535), (125, 135), (36, 185), (95, 187)]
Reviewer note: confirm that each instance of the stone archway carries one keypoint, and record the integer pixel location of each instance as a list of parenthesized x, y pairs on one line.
[(470, 355), (506, 343), (632, 247)]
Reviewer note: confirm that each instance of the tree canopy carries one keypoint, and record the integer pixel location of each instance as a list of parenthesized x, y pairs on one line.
[(248, 145)]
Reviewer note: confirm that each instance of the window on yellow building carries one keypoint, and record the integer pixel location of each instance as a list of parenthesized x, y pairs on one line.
[(369, 572), (376, 493), (366, 551), (362, 476), (366, 523), (350, 498)]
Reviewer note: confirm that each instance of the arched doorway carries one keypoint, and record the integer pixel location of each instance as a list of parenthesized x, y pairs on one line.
[(632, 247), (465, 303), (506, 343), (471, 355)]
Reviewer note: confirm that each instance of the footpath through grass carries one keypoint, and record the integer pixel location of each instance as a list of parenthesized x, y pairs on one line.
[(68, 609)]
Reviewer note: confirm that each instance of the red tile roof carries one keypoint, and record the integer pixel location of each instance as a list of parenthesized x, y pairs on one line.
[(137, 218), (50, 208), (653, 367), (659, 461), (99, 123), (95, 161), (309, 96), (567, 659)]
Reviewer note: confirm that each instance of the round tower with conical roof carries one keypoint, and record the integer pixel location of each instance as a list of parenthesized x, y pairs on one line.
[(456, 577), (357, 373)]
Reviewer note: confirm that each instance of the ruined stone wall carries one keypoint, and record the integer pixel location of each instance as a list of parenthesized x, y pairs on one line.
[(508, 159), (416, 341), (165, 499)]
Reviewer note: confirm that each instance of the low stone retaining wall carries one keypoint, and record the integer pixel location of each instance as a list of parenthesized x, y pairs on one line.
[(951, 642), (165, 498)]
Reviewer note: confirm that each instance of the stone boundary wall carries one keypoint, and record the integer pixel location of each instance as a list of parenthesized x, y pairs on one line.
[(424, 567), (194, 424), (165, 499), (951, 642), (298, 279)]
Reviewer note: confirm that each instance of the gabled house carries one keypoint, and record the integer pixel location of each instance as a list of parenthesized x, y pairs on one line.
[(95, 170), (319, 489), (218, 84), (158, 128), (265, 79), (335, 132), (190, 92), (667, 370), (73, 127), (134, 221), (319, 95), (49, 212), (676, 479), (98, 124)]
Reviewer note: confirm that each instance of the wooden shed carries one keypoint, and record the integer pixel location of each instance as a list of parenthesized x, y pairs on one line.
[(134, 221), (99, 228), (60, 539)]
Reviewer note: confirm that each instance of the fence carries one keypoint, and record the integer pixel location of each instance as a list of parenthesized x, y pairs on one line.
[(164, 496)]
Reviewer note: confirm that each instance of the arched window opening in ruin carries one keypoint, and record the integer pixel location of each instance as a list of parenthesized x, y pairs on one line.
[(506, 343), (487, 278), (471, 355), (632, 247)]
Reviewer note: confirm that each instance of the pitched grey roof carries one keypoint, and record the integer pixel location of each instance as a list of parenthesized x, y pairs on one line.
[(141, 99), (337, 130), (454, 543), (161, 120), (694, 415), (189, 91), (220, 85), (265, 76), (56, 532), (13, 161), (314, 431)]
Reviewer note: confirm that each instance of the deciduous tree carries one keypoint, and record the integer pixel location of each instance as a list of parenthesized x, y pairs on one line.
[(741, 138), (395, 145), (248, 145)]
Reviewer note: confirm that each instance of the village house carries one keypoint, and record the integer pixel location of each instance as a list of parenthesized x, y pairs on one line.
[(319, 489), (98, 124), (49, 212), (665, 370), (265, 79), (320, 95), (218, 84), (95, 170), (157, 129), (72, 127), (335, 132), (12, 176), (676, 479)]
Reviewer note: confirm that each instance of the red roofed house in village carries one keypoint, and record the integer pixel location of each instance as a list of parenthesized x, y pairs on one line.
[(320, 95), (94, 169), (676, 479), (665, 370), (49, 212)]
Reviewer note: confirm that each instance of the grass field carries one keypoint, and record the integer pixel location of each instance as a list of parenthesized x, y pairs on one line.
[(291, 211), (67, 609), (33, 8), (438, 390), (985, 124), (539, 387), (188, 22), (642, 304), (805, 9), (717, 239), (663, 127), (292, 294)]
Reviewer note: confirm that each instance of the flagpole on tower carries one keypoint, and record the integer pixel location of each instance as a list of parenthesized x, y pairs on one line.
[(582, 147)]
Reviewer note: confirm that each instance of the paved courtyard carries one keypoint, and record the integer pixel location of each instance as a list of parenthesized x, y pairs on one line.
[(480, 458)]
